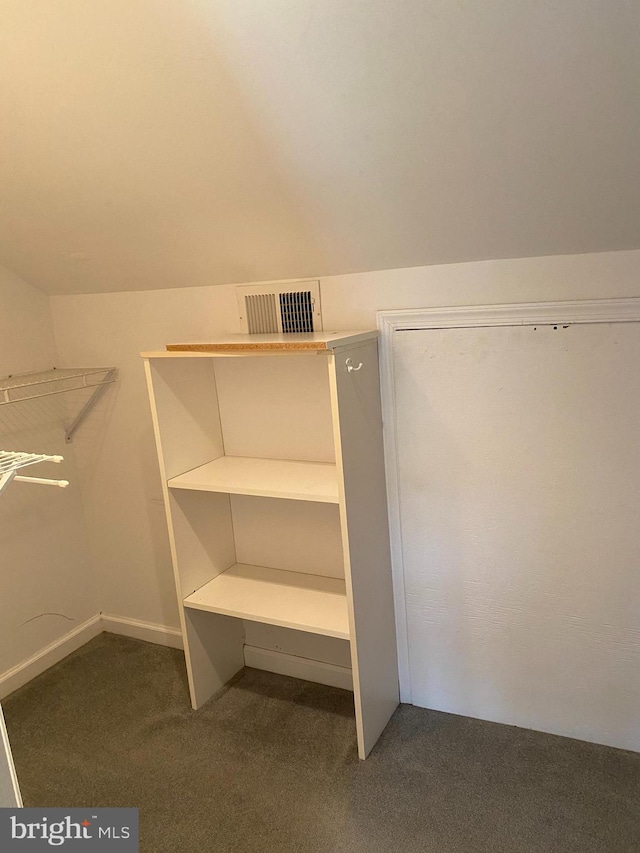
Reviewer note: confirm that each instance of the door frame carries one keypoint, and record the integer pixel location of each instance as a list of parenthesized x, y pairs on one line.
[(623, 310), (7, 767)]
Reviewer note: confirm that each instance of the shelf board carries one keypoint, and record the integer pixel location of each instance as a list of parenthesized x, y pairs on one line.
[(272, 478), (30, 386), (247, 344), (309, 603)]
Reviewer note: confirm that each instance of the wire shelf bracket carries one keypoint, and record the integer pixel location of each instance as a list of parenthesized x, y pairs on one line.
[(31, 386)]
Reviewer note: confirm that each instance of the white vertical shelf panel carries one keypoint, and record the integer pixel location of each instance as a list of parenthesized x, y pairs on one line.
[(365, 531), (186, 423), (215, 645), (185, 411), (297, 536), (288, 397), (203, 534)]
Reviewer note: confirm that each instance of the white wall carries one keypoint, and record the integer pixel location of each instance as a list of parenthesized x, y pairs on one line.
[(120, 476), (47, 584), (26, 329)]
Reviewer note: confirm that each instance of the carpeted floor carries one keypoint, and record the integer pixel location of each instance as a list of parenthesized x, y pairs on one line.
[(271, 766)]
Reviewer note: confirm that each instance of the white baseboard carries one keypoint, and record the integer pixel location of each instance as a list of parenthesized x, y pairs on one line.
[(162, 635), (267, 659), (304, 668), (23, 672)]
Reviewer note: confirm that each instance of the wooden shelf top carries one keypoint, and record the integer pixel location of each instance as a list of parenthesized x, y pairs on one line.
[(275, 597), (239, 344), (272, 478)]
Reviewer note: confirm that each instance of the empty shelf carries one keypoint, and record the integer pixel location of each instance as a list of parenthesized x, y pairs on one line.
[(289, 599), (273, 478)]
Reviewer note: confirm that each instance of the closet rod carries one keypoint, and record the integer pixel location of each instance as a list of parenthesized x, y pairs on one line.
[(42, 481)]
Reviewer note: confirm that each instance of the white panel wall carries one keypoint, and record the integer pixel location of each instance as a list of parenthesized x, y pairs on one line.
[(519, 479), (47, 585)]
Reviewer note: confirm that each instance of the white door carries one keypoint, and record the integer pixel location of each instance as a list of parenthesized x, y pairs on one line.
[(9, 790), (519, 480)]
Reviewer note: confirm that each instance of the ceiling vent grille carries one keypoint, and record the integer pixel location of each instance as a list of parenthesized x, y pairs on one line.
[(280, 309)]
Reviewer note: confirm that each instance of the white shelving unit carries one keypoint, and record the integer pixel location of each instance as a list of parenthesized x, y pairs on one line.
[(270, 451)]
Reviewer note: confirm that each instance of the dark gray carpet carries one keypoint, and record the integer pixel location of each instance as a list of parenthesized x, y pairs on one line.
[(271, 766)]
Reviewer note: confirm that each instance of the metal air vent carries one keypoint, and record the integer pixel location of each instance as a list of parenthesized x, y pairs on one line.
[(280, 309)]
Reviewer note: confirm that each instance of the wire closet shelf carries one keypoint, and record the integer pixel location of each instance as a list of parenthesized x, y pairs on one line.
[(11, 461), (30, 386), (20, 387)]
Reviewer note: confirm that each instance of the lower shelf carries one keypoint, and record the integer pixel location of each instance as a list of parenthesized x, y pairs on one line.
[(290, 599)]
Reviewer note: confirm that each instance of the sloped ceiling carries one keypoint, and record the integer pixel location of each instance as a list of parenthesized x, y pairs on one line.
[(150, 144)]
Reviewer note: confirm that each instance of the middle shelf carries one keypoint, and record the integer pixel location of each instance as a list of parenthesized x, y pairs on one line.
[(290, 599), (275, 478)]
